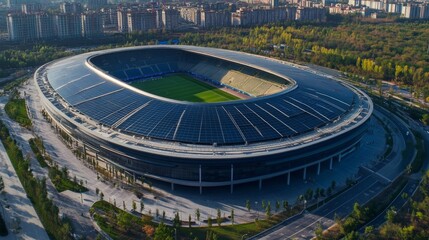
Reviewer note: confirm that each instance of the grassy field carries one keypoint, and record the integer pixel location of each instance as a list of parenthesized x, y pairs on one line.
[(185, 88), (17, 111)]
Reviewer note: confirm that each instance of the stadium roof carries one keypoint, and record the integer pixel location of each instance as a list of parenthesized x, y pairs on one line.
[(314, 102)]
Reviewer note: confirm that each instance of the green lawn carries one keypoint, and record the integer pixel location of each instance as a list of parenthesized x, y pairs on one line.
[(185, 88), (17, 111)]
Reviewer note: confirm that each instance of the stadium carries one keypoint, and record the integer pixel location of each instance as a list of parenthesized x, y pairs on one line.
[(200, 117)]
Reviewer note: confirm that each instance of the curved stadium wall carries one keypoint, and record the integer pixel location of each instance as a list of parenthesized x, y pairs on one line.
[(304, 120)]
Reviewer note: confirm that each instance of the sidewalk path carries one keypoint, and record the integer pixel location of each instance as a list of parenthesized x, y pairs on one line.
[(20, 207)]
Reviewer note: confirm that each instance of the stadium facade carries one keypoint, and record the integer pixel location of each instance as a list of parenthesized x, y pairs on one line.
[(294, 118)]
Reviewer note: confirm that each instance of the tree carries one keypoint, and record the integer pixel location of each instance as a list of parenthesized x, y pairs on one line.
[(309, 194), (176, 220), (248, 205), (277, 205), (380, 87), (123, 205), (198, 214), (285, 205), (65, 172), (141, 205), (317, 194), (219, 217), (209, 222), (124, 220), (425, 119), (148, 230), (190, 221), (322, 192), (369, 230), (210, 235), (232, 216), (357, 211), (390, 214), (319, 231), (163, 233), (1, 184), (268, 210), (134, 205), (352, 236), (101, 196)]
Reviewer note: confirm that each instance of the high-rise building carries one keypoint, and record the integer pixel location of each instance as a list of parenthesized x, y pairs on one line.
[(311, 14), (410, 10), (191, 14), (327, 3), (14, 4), (141, 20), (68, 25), (394, 7), (92, 25), (109, 18), (21, 27), (28, 8), (274, 3), (424, 11), (69, 8), (291, 13), (374, 4), (96, 4), (214, 19), (170, 19), (355, 3), (249, 17), (122, 19), (45, 26)]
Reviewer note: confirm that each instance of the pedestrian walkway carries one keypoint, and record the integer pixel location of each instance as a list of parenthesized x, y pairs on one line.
[(17, 210)]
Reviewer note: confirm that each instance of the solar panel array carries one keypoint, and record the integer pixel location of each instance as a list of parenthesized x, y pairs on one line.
[(316, 102)]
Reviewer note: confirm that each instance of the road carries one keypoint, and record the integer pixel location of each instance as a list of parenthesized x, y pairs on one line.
[(371, 184), (398, 161), (397, 203), (413, 183), (303, 227)]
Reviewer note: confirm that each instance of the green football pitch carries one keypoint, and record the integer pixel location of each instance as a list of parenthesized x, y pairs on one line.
[(184, 88)]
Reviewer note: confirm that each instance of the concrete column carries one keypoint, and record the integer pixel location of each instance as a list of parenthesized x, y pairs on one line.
[(172, 186), (288, 178), (260, 184), (200, 177), (318, 168), (304, 176), (232, 178), (330, 163)]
